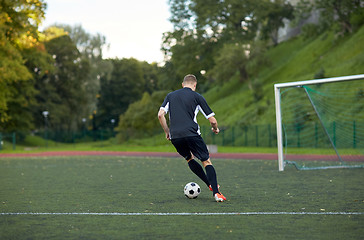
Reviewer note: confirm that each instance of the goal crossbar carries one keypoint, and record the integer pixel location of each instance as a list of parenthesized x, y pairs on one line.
[(318, 81), (277, 95)]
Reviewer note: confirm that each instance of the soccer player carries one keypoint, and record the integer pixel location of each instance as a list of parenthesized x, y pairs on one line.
[(184, 132)]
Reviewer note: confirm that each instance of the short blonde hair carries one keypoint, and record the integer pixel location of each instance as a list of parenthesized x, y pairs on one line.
[(190, 78)]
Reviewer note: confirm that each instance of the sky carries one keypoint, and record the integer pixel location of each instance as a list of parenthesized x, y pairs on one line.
[(133, 28)]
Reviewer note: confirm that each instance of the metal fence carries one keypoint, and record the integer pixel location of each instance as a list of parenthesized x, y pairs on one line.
[(257, 136), (249, 136), (8, 137), (263, 135), (11, 140)]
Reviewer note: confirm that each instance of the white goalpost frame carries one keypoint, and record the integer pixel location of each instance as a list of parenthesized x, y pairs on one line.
[(277, 96)]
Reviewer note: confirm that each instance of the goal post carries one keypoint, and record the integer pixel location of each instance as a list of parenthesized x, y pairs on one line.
[(320, 121)]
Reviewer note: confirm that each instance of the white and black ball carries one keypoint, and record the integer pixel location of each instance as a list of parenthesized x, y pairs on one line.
[(192, 190)]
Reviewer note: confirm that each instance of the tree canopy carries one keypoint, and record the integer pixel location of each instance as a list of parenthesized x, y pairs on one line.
[(204, 30), (19, 22)]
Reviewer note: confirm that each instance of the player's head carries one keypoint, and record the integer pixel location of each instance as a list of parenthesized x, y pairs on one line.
[(190, 81)]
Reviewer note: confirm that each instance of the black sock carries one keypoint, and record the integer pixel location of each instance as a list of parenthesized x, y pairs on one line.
[(198, 170), (211, 176)]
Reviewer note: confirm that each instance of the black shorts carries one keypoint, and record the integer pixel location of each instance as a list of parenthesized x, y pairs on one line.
[(195, 145)]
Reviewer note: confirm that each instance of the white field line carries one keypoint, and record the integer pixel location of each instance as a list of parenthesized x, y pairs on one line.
[(186, 213)]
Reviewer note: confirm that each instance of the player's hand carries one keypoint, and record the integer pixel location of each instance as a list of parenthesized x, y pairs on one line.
[(216, 131), (168, 137)]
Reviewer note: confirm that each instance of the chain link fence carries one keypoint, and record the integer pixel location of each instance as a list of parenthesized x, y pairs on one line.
[(263, 135), (257, 136)]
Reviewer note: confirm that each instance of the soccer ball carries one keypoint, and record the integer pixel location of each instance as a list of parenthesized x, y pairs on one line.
[(192, 190)]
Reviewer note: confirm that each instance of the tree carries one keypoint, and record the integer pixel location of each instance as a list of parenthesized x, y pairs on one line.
[(240, 60), (19, 22), (90, 47), (185, 48), (13, 74), (20, 19), (16, 92), (340, 9), (64, 89), (168, 78), (151, 76), (229, 20), (124, 86), (231, 59), (272, 16), (192, 55), (202, 28), (334, 13), (133, 121), (40, 64)]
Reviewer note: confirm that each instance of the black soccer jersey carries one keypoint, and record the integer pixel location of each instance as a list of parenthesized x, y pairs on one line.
[(183, 106)]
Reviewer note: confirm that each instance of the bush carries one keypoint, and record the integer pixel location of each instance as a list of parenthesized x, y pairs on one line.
[(140, 119), (310, 30)]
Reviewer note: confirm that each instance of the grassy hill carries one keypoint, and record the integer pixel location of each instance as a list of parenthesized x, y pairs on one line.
[(294, 60)]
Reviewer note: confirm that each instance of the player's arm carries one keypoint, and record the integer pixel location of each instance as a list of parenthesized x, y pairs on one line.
[(163, 122), (213, 123), (209, 114)]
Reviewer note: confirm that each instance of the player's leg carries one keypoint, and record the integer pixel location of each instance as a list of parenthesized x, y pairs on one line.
[(199, 149), (198, 170), (182, 148), (211, 175)]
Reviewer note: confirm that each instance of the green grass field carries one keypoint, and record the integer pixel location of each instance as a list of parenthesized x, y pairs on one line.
[(106, 184)]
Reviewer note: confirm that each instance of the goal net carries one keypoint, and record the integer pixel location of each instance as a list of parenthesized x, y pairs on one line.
[(320, 123)]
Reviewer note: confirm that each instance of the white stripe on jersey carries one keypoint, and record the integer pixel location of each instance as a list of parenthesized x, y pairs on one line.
[(198, 108), (166, 108)]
